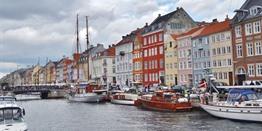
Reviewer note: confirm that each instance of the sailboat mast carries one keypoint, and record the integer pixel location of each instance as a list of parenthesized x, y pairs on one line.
[(77, 47), (87, 37), (87, 46)]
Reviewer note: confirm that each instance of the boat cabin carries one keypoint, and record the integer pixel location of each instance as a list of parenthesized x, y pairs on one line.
[(11, 113), (241, 95)]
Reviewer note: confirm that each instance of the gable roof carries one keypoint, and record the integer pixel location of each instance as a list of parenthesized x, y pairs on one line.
[(243, 13), (129, 37), (214, 27)]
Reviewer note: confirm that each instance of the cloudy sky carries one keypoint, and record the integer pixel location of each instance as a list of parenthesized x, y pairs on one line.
[(32, 30)]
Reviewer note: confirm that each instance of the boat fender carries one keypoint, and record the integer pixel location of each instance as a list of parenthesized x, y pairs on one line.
[(180, 100)]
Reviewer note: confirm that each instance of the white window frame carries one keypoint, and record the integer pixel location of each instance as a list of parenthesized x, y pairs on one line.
[(251, 70), (259, 69), (248, 29), (239, 50), (238, 31), (257, 27), (250, 50), (258, 48)]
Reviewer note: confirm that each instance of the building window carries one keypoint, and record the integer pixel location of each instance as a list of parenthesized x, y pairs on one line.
[(250, 51), (214, 63), (146, 77), (161, 50), (223, 50), (160, 37), (225, 75), (248, 29), (259, 69), (218, 51), (228, 49), (222, 37), (239, 50), (145, 53), (214, 52), (161, 63), (145, 65), (145, 41), (229, 62), (258, 48), (251, 70), (238, 31), (257, 27), (253, 11)]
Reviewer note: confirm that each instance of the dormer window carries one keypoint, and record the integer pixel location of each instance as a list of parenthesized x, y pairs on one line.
[(253, 11)]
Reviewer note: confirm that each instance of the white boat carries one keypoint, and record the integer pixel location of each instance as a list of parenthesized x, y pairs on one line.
[(94, 97), (125, 98), (27, 97), (241, 104), (11, 116)]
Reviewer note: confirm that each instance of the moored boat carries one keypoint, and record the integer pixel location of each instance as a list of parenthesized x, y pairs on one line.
[(241, 104), (125, 98), (27, 97), (164, 101), (11, 115)]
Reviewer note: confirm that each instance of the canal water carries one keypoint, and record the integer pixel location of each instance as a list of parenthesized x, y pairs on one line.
[(60, 115)]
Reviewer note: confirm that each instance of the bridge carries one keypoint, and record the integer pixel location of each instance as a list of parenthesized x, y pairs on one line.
[(46, 90)]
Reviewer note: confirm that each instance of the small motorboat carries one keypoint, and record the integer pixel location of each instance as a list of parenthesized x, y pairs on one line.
[(164, 101), (11, 118), (125, 98), (241, 104), (27, 97), (90, 93)]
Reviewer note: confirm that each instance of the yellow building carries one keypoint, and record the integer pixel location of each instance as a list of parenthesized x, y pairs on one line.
[(221, 52), (35, 74), (171, 69)]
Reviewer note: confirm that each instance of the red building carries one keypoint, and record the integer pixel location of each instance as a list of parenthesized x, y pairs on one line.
[(138, 57), (177, 21), (153, 57)]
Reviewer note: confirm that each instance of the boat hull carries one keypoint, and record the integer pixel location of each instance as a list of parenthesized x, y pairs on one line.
[(88, 98), (21, 126), (22, 97), (163, 106), (123, 102), (235, 113)]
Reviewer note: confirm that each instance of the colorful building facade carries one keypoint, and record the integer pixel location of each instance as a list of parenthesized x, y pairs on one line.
[(247, 42)]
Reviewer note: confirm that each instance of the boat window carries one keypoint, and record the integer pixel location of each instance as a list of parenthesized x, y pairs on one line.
[(251, 97), (17, 114), (1, 115), (8, 114), (255, 104), (248, 104)]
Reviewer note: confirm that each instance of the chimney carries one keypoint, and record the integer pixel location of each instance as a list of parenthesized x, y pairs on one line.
[(123, 37), (226, 18), (159, 15), (215, 20), (109, 46), (113, 45), (146, 24), (177, 8)]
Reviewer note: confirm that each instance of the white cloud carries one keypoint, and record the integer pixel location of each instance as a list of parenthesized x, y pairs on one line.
[(2, 74)]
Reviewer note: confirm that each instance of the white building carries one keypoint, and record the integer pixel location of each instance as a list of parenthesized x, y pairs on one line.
[(124, 61), (104, 67)]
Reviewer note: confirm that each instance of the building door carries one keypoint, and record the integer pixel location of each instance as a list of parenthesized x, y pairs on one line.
[(175, 80), (241, 78), (230, 78)]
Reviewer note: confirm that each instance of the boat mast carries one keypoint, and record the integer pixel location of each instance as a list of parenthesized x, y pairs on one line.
[(87, 46), (77, 54)]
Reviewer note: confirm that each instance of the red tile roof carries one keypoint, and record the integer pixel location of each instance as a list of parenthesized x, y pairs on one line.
[(130, 37), (108, 52), (215, 27)]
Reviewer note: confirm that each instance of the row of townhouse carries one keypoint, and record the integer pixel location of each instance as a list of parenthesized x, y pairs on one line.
[(172, 50), (176, 50)]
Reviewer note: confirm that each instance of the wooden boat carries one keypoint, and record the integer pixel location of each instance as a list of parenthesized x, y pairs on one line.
[(164, 101), (125, 98)]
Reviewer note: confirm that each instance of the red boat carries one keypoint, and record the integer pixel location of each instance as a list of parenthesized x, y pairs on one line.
[(164, 101)]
